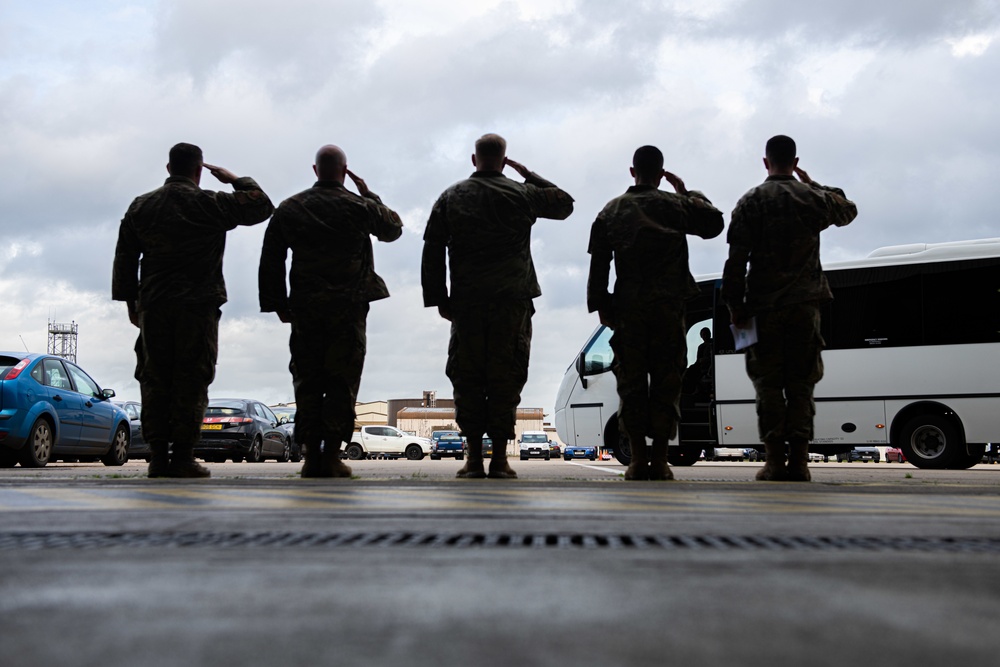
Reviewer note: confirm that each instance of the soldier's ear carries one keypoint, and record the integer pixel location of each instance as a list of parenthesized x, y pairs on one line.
[(316, 171), (474, 160), (631, 171), (767, 165)]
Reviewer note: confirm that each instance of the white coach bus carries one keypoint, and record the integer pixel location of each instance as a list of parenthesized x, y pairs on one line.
[(912, 360)]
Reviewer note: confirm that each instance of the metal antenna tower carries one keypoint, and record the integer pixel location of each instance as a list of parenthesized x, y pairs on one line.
[(62, 340)]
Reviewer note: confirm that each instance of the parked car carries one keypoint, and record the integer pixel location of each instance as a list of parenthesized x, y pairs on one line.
[(816, 457), (860, 454), (286, 422), (554, 450), (534, 444), (241, 428), (448, 443), (894, 455), (138, 448), (580, 452), (728, 454), (753, 454), (487, 446), (606, 456), (388, 441), (51, 409)]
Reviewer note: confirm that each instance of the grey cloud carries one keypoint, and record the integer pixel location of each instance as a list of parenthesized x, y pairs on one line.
[(909, 23), (293, 46)]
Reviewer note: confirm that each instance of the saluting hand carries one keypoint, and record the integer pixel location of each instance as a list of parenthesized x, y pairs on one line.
[(224, 175), (359, 183), (675, 181), (803, 176), (517, 166)]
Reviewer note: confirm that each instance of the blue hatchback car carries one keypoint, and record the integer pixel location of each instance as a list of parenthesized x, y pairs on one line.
[(51, 409)]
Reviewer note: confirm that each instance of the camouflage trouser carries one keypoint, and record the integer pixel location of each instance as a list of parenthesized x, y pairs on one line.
[(175, 363), (784, 365), (650, 358), (328, 355), (488, 365)]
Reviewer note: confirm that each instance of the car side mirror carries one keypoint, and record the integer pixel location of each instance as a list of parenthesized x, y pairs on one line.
[(107, 393)]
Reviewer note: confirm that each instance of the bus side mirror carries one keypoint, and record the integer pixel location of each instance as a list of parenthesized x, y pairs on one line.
[(580, 366)]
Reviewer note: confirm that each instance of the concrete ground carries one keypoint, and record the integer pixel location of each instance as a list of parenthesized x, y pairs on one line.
[(874, 564)]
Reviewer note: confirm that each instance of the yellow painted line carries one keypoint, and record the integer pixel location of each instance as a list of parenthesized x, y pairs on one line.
[(345, 498)]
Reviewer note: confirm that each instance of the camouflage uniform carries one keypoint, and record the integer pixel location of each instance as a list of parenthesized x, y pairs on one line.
[(644, 231), (179, 231), (776, 227), (332, 281), (485, 223)]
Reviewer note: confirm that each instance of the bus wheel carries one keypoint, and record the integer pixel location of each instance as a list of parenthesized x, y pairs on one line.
[(623, 451), (930, 441), (683, 455)]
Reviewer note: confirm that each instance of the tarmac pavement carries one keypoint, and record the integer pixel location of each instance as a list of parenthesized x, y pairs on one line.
[(872, 564)]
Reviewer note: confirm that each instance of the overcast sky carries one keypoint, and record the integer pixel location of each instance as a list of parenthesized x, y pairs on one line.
[(895, 102)]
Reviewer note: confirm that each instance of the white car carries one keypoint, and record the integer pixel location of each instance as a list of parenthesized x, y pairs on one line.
[(386, 441)]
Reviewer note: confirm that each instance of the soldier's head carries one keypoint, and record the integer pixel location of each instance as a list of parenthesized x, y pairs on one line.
[(779, 155), (491, 150), (331, 164), (647, 165), (185, 160)]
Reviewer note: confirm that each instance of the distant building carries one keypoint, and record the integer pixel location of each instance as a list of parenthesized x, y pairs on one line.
[(374, 413), (424, 421)]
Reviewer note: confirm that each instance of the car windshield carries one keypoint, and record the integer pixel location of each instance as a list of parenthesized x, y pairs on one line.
[(450, 438), (534, 437), (225, 409)]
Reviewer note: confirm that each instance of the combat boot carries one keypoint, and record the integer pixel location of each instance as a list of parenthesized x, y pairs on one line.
[(798, 461), (183, 465), (499, 467), (774, 464), (312, 466), (159, 460), (659, 469), (330, 463), (638, 468), (473, 468)]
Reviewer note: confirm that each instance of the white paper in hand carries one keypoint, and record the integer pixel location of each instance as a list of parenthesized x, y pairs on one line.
[(746, 335)]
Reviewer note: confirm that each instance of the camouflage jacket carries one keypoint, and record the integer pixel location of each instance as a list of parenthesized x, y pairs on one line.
[(179, 232), (485, 223), (645, 232), (776, 227), (328, 229)]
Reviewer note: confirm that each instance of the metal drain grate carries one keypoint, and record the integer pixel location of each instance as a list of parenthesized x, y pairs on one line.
[(278, 540)]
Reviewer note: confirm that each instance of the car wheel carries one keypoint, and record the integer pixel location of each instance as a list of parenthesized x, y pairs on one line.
[(593, 458), (547, 457), (569, 458), (237, 459), (37, 451), (118, 452), (286, 454), (524, 457), (354, 452), (255, 455), (930, 441), (414, 453), (460, 457), (296, 454)]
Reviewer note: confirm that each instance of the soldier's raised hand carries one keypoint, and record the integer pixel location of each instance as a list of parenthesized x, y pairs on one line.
[(803, 176), (224, 175), (517, 166), (359, 183), (675, 181)]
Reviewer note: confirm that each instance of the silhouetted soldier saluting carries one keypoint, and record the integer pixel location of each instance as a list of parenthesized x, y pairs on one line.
[(775, 228), (332, 280), (484, 223), (168, 269), (645, 232)]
